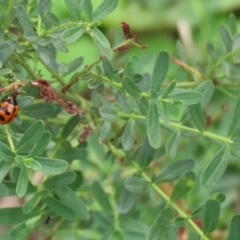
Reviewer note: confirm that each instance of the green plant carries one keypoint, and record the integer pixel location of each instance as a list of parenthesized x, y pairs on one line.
[(135, 137)]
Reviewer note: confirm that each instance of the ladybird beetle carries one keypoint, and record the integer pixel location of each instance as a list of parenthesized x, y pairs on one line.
[(8, 109)]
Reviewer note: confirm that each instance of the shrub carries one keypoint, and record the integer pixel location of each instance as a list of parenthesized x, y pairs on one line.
[(142, 156)]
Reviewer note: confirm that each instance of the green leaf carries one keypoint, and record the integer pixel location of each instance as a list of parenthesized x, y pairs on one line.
[(128, 138), (160, 70), (197, 117), (5, 71), (100, 38), (1, 34), (232, 24), (58, 43), (199, 210), (31, 36), (50, 19), (206, 88), (31, 137), (71, 35), (48, 59), (101, 42), (135, 184), (15, 215), (169, 88), (70, 126), (172, 144), (60, 208), (20, 231), (151, 193), (101, 197), (211, 51), (175, 170), (22, 182), (104, 9), (235, 119), (32, 202), (105, 130), (6, 50), (144, 106), (153, 127), (145, 82), (214, 171), (88, 9), (145, 153), (108, 113), (3, 190), (6, 153), (226, 38), (52, 166), (154, 95), (61, 180), (159, 225), (31, 163), (128, 70), (41, 144), (75, 8), (187, 98), (211, 215), (127, 201), (68, 197), (220, 197), (74, 65), (165, 113), (130, 87), (24, 101), (24, 20), (108, 68), (234, 231), (77, 182), (40, 110), (184, 185), (72, 154), (136, 65)]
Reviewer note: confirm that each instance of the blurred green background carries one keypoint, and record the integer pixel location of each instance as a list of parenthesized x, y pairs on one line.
[(158, 24)]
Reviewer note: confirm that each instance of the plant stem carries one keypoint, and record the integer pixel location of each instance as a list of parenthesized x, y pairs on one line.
[(119, 153), (79, 74), (54, 229), (180, 126), (25, 65), (9, 138), (172, 204)]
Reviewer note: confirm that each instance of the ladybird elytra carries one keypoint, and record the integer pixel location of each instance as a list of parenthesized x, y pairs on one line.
[(8, 109)]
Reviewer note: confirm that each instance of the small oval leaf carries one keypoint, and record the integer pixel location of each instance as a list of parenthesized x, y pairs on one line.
[(211, 215), (153, 127)]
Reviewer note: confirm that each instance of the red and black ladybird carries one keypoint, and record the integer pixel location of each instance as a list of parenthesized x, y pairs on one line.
[(8, 109)]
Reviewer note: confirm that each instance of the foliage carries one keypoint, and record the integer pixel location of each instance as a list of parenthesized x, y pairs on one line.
[(143, 156)]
